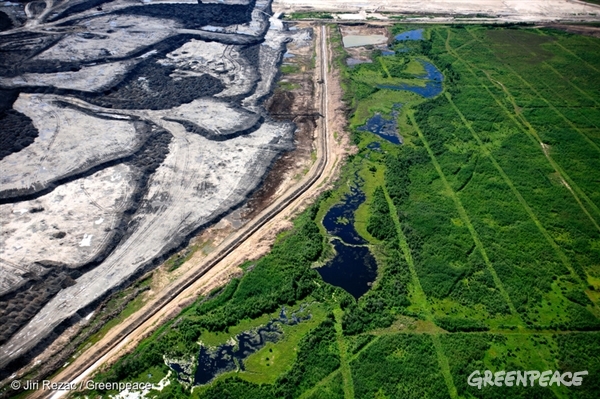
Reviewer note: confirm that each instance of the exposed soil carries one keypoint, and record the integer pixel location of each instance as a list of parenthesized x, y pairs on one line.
[(18, 307), (198, 183), (255, 246), (292, 101), (592, 31)]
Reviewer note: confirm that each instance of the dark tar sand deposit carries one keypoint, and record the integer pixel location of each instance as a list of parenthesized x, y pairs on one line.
[(126, 129)]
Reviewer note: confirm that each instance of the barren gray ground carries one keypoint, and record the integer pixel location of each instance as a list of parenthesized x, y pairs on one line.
[(503, 10), (135, 131)]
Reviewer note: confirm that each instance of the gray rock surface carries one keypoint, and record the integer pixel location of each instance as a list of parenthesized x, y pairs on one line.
[(93, 168)]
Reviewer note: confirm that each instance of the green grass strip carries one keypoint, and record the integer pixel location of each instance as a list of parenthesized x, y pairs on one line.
[(573, 85), (522, 124), (344, 363), (556, 110), (517, 194), (465, 218), (385, 68), (420, 297), (572, 53), (325, 380)]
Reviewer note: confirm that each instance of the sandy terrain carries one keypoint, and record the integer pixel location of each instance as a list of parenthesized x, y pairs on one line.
[(533, 10), (58, 152)]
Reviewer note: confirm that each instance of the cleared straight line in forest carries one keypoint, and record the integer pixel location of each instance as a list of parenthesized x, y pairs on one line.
[(421, 298), (465, 44), (384, 66), (570, 52), (465, 218), (521, 333), (522, 123), (556, 111), (308, 393), (565, 261), (576, 108), (348, 384), (569, 180), (584, 93), (535, 138), (594, 43)]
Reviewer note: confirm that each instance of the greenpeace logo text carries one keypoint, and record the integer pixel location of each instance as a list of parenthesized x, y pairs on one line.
[(530, 378)]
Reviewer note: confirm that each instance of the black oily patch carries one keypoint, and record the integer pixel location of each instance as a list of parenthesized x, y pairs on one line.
[(16, 132), (194, 16), (149, 86), (86, 5), (5, 22), (17, 307), (18, 48), (251, 53)]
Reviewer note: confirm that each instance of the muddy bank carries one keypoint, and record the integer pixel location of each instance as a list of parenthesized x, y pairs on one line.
[(293, 100)]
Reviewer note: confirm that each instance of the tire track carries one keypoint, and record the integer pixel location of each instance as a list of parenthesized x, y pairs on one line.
[(82, 367)]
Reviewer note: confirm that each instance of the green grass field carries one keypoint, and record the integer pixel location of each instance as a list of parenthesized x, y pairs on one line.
[(485, 225)]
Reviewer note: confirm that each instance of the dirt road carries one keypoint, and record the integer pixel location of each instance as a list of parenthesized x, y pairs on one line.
[(217, 268)]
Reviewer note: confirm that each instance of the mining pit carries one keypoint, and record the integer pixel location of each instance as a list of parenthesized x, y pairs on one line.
[(130, 128)]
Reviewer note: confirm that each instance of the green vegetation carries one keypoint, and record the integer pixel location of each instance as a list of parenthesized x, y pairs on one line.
[(117, 309), (485, 225), (288, 86), (181, 257), (399, 366), (308, 15), (289, 69), (266, 365)]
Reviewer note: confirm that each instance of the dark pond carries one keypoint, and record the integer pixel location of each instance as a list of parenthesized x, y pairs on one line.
[(339, 221), (387, 52), (353, 269), (416, 34), (230, 356), (356, 61), (432, 88), (375, 146), (384, 128)]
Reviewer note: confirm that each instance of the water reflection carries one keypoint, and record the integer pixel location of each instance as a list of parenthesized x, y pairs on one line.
[(432, 88), (339, 221), (353, 268), (230, 356), (384, 128), (416, 34)]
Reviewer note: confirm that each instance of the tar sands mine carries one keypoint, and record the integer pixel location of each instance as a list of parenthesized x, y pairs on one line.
[(328, 199)]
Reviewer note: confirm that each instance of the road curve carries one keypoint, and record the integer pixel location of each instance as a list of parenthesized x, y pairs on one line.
[(88, 362)]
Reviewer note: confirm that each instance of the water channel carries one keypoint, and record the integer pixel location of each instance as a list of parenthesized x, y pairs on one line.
[(231, 355), (383, 127), (353, 268), (433, 85)]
